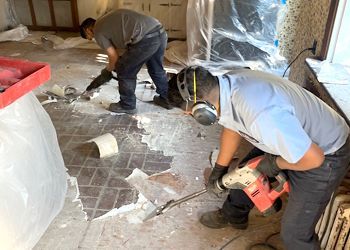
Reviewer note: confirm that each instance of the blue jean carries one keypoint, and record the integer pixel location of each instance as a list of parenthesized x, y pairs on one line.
[(310, 193), (149, 51)]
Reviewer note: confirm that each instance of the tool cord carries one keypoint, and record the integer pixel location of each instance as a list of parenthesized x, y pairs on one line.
[(265, 243), (251, 247), (290, 64)]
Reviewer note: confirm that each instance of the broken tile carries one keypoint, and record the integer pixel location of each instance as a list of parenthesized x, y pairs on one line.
[(169, 179), (101, 182)]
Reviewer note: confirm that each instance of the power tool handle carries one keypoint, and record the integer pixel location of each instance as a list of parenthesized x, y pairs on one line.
[(282, 187)]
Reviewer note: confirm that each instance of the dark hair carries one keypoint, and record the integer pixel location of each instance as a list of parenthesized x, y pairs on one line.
[(205, 81), (87, 23)]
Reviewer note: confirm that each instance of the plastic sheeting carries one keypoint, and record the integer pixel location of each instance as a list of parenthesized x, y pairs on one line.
[(176, 52), (10, 29), (32, 173), (226, 33), (8, 17), (15, 34)]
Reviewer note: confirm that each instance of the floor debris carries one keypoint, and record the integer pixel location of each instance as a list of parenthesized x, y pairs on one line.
[(107, 145), (161, 140), (66, 93), (170, 179)]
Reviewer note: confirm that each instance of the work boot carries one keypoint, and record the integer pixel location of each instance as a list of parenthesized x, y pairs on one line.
[(161, 101), (216, 220), (118, 108)]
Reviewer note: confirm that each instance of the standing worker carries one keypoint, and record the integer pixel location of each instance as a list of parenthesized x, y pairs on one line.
[(300, 135), (144, 39)]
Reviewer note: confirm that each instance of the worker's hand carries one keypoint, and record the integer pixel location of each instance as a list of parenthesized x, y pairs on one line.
[(104, 77), (217, 172), (269, 166)]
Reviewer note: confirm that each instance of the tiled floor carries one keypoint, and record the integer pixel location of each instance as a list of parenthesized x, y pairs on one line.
[(101, 181)]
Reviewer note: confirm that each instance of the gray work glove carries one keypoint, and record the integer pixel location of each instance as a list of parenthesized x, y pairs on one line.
[(104, 77), (269, 166), (217, 172)]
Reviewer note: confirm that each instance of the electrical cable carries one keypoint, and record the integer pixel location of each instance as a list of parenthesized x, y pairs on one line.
[(230, 241), (194, 86), (265, 243), (290, 64), (254, 245)]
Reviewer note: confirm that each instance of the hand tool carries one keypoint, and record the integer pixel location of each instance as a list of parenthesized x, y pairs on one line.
[(256, 185), (246, 177)]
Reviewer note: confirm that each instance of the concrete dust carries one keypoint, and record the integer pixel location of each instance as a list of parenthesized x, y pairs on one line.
[(145, 92), (169, 179), (135, 213), (71, 75), (57, 42), (99, 104)]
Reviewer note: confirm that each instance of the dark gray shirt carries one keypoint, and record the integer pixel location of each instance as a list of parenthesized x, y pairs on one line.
[(122, 27)]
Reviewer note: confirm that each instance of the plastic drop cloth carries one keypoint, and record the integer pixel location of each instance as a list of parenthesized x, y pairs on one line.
[(32, 173), (235, 33), (8, 17), (10, 28)]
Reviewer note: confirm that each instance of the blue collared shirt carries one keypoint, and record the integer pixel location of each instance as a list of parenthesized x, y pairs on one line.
[(278, 116)]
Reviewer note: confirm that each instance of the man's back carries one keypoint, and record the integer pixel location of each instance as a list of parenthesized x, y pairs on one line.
[(275, 111), (123, 27)]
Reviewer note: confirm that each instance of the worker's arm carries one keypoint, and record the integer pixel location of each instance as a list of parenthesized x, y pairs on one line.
[(112, 58), (313, 158), (229, 142)]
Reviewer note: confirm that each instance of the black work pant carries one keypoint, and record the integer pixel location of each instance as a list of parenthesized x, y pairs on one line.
[(149, 51), (309, 195)]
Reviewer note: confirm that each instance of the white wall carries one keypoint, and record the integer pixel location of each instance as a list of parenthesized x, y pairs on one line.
[(94, 8), (86, 8)]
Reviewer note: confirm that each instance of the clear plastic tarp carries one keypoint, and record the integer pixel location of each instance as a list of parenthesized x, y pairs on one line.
[(8, 17), (10, 29), (235, 33), (32, 173)]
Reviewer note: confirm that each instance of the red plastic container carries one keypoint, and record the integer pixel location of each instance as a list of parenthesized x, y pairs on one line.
[(29, 74)]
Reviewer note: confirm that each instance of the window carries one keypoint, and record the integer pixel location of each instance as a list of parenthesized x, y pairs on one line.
[(336, 47)]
